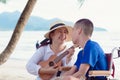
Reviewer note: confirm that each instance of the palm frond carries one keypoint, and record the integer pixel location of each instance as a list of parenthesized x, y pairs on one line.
[(81, 2), (3, 1)]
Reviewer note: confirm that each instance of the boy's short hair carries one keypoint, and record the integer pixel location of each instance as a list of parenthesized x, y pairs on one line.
[(86, 25)]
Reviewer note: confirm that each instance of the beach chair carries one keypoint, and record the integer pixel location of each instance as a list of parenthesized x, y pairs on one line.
[(109, 74)]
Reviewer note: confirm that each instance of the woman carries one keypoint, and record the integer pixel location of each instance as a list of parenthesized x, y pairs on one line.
[(57, 36)]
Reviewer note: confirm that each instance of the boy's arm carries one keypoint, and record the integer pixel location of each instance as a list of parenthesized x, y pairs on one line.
[(71, 71), (82, 71)]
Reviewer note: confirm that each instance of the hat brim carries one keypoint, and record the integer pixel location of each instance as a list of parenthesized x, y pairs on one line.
[(69, 28)]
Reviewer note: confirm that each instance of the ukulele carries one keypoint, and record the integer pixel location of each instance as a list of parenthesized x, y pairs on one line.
[(53, 61)]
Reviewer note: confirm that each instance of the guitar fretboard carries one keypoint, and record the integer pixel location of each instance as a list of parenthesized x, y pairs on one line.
[(58, 58)]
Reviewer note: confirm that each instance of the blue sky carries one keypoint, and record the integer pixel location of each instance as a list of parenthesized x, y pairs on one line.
[(104, 13)]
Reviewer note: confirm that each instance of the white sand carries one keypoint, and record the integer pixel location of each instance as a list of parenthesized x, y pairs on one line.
[(15, 70)]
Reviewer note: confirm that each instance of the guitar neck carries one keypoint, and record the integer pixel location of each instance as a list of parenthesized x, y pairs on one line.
[(58, 58)]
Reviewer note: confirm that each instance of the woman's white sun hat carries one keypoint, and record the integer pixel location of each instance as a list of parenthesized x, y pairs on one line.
[(59, 24)]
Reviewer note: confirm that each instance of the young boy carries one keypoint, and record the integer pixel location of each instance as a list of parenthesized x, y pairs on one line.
[(91, 57)]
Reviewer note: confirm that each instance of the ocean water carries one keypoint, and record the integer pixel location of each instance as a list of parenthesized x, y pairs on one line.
[(26, 45)]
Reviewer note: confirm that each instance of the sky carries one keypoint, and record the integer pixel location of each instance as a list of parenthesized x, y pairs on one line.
[(103, 13)]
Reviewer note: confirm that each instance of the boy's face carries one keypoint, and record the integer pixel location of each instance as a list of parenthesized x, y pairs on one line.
[(75, 36)]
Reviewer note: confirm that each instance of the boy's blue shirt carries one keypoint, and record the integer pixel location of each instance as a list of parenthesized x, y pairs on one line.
[(93, 55)]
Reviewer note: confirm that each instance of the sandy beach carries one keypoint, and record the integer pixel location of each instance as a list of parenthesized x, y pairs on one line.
[(15, 70)]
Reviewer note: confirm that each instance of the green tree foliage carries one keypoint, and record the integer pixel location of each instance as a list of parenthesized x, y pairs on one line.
[(3, 1), (81, 2)]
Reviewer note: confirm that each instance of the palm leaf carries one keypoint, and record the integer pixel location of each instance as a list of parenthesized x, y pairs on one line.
[(81, 2), (3, 1)]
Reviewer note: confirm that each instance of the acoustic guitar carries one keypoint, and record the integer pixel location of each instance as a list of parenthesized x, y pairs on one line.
[(53, 61)]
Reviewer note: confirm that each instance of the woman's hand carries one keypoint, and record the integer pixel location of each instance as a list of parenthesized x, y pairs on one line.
[(69, 56)]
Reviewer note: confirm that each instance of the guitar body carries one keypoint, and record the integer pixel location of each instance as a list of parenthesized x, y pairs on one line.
[(44, 64), (55, 62)]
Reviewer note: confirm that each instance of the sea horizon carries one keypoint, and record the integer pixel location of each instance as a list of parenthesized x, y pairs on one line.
[(28, 41)]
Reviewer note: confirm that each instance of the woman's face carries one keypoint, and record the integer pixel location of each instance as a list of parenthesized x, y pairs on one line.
[(59, 35)]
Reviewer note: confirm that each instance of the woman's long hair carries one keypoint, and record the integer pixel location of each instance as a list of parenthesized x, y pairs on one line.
[(46, 41)]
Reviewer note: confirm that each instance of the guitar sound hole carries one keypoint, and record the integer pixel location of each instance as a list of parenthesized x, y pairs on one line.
[(118, 53), (51, 63)]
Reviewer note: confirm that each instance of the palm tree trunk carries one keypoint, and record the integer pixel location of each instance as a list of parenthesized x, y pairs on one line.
[(4, 56)]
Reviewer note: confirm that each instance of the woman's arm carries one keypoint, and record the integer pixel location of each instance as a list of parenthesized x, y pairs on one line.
[(70, 54), (32, 65)]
